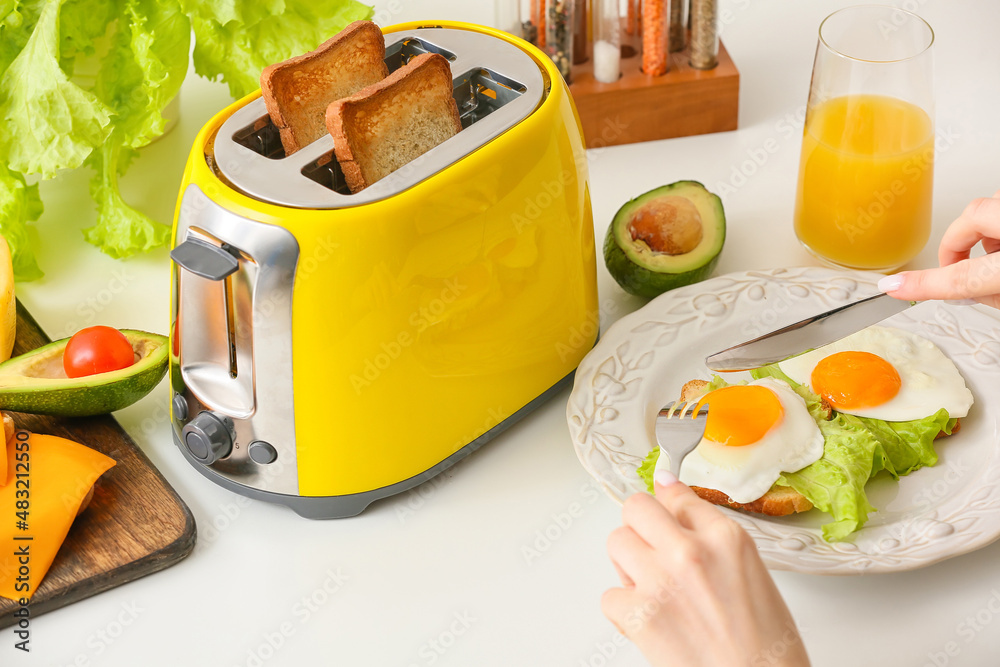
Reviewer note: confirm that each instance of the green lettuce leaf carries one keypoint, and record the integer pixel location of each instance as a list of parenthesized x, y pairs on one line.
[(19, 205), (141, 72), (121, 230), (645, 470), (244, 13), (82, 25), (17, 20), (236, 42), (909, 445), (835, 484), (159, 41), (47, 123)]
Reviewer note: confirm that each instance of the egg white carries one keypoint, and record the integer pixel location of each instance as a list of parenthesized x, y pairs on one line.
[(930, 380), (746, 473)]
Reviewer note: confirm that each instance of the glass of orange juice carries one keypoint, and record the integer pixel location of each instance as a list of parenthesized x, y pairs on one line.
[(866, 173)]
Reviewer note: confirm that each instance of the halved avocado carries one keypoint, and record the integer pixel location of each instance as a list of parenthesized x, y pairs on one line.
[(35, 382), (666, 238)]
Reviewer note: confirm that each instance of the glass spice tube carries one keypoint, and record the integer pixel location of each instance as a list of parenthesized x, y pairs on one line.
[(528, 28), (535, 23), (580, 30), (607, 40), (559, 35), (678, 24), (704, 34), (630, 35), (508, 16), (655, 36)]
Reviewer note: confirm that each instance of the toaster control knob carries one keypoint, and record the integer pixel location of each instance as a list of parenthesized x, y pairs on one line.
[(208, 437)]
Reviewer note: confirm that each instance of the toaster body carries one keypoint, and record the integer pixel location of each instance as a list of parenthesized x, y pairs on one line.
[(331, 349)]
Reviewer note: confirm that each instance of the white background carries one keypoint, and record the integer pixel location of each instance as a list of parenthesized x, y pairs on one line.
[(408, 575)]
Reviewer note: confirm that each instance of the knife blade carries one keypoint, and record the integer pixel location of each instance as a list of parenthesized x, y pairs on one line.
[(807, 334)]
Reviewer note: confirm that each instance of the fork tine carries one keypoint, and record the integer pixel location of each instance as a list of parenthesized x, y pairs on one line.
[(679, 436)]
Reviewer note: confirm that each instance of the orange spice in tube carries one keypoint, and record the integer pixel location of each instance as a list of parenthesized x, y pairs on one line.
[(538, 18), (631, 16), (655, 37)]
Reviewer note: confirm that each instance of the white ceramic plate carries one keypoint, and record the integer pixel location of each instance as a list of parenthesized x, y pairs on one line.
[(643, 360)]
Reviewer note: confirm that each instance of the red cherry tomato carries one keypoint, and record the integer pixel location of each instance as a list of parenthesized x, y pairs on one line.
[(97, 350)]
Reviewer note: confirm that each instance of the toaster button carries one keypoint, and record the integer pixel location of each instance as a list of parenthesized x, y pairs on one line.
[(262, 452), (180, 408), (208, 437)]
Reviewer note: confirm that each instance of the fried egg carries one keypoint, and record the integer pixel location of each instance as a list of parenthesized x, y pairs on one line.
[(883, 373), (753, 433)]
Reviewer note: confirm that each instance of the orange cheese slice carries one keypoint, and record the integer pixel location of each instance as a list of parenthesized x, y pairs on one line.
[(8, 435), (53, 475)]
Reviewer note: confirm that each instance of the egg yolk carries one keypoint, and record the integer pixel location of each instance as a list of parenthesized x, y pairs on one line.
[(855, 380), (741, 414)]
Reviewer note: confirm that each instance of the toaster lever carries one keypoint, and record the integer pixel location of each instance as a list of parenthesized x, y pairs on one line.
[(204, 259)]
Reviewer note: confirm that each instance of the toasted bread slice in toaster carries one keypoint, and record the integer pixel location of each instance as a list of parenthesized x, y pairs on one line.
[(779, 500), (298, 91), (391, 123)]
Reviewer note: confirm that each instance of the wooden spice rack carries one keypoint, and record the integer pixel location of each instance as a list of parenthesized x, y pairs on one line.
[(683, 102)]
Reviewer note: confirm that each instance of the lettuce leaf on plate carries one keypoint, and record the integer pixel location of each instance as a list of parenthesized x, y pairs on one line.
[(909, 445), (835, 484), (645, 470)]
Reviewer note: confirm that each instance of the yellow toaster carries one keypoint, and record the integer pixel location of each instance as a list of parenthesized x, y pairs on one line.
[(329, 349)]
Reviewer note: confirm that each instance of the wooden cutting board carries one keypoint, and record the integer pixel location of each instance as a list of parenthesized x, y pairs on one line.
[(135, 524)]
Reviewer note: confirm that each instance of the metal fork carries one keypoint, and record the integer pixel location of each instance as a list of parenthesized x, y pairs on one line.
[(679, 428)]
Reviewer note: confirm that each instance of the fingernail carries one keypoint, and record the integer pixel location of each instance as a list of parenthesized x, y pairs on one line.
[(891, 283), (961, 302), (664, 478)]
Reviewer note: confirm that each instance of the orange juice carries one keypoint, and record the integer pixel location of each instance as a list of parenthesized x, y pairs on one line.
[(865, 181)]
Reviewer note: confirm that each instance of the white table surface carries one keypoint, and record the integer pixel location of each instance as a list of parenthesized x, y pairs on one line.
[(438, 575)]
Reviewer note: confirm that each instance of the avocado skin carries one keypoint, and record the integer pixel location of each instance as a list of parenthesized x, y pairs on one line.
[(639, 280), (85, 396), (642, 281)]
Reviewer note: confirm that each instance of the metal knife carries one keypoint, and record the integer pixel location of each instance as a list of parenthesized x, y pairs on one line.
[(808, 334)]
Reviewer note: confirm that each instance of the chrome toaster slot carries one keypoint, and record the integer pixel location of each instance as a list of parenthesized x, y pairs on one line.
[(480, 92), (327, 172), (262, 138), (216, 321), (400, 53)]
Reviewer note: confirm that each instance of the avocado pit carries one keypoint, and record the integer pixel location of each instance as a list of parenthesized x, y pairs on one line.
[(665, 238), (669, 225)]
